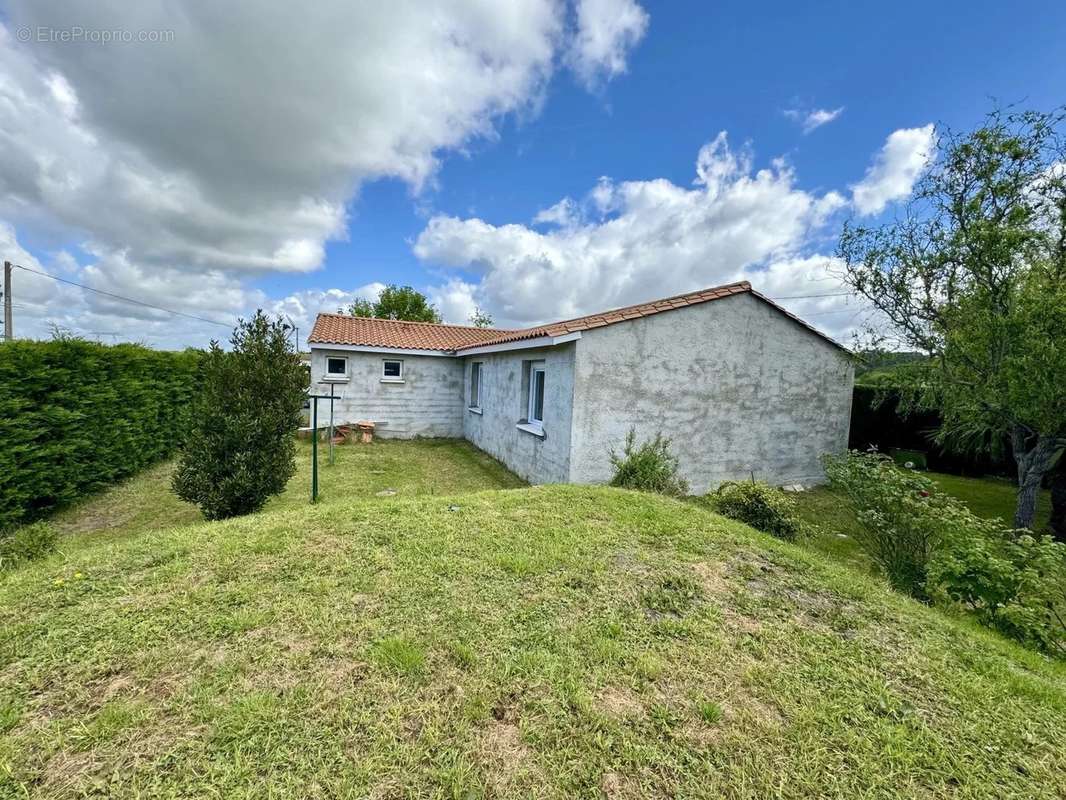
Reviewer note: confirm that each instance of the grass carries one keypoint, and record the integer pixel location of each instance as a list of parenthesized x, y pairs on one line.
[(835, 524), (544, 642), (396, 467)]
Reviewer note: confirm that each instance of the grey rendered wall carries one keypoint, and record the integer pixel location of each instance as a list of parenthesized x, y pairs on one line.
[(503, 404), (738, 387), (427, 403)]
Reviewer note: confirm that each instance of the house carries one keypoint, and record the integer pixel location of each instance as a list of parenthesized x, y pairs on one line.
[(741, 386)]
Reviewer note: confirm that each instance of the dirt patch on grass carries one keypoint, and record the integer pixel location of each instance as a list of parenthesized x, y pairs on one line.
[(508, 761), (619, 787), (618, 702), (65, 769)]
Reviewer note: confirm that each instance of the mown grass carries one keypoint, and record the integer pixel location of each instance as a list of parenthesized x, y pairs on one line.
[(833, 525), (404, 468), (544, 642)]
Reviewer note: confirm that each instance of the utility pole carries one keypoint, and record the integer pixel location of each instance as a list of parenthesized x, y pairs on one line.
[(8, 336)]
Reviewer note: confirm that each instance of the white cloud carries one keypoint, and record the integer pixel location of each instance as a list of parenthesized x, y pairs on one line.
[(233, 148), (456, 300), (896, 168), (657, 239), (810, 119), (563, 213), (606, 31)]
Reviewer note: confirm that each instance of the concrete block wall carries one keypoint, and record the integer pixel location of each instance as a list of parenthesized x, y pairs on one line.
[(429, 401)]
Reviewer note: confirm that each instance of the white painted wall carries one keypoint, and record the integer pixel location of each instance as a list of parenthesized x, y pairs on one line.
[(737, 385), (429, 402)]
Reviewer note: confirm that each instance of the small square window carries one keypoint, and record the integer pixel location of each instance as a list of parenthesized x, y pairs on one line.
[(336, 367), (391, 370)]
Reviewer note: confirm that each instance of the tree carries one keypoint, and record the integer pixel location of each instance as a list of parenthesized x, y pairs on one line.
[(481, 319), (397, 302), (973, 275), (242, 444)]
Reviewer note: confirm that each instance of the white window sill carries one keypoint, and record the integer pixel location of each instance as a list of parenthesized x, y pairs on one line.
[(335, 379), (392, 380), (474, 410), (529, 427)]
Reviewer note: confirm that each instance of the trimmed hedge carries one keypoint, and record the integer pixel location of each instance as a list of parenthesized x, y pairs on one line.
[(76, 416), (880, 425)]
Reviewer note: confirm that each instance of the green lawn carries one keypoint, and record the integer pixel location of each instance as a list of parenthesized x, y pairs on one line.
[(539, 642), (424, 466), (834, 522)]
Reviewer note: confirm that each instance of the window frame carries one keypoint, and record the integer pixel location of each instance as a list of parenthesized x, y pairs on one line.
[(336, 376), (391, 378), (531, 401), (474, 402)]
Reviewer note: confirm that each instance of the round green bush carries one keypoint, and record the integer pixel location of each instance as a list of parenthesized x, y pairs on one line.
[(759, 505)]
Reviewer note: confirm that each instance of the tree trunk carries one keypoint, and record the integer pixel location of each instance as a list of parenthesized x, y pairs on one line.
[(1033, 462)]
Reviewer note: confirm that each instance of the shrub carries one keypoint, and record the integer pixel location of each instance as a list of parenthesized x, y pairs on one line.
[(902, 517), (648, 467), (759, 505), (242, 445), (1012, 581), (934, 548), (27, 543), (77, 416)]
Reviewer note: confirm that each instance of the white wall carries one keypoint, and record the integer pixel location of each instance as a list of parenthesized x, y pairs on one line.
[(504, 404), (737, 385), (429, 402)]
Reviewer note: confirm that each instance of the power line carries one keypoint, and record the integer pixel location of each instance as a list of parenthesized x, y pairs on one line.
[(120, 297), (811, 296)]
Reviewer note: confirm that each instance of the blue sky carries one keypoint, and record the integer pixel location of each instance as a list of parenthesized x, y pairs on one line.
[(707, 67), (203, 180)]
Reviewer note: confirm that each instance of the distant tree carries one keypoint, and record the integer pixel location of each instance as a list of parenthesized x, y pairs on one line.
[(361, 308), (481, 319), (397, 302), (974, 277), (241, 447)]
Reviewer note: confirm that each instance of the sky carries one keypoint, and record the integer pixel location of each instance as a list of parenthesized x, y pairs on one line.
[(537, 159)]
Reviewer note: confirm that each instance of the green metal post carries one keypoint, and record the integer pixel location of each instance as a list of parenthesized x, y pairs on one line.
[(314, 451)]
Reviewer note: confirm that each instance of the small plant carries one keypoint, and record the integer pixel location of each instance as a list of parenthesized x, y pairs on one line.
[(674, 595), (710, 712), (759, 505), (399, 655), (27, 543), (648, 467)]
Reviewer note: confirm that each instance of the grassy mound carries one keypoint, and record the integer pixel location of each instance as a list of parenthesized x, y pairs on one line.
[(542, 642)]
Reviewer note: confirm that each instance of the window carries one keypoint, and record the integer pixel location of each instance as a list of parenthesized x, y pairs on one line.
[(392, 371), (475, 385), (535, 414), (336, 367)]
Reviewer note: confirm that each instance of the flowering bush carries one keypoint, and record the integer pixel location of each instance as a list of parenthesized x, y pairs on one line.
[(934, 548), (757, 504), (1011, 580), (903, 519)]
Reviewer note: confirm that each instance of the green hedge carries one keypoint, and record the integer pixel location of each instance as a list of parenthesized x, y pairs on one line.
[(76, 416), (875, 422)]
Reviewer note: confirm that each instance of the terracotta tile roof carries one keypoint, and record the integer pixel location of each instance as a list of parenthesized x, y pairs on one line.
[(349, 330), (602, 318), (343, 329)]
